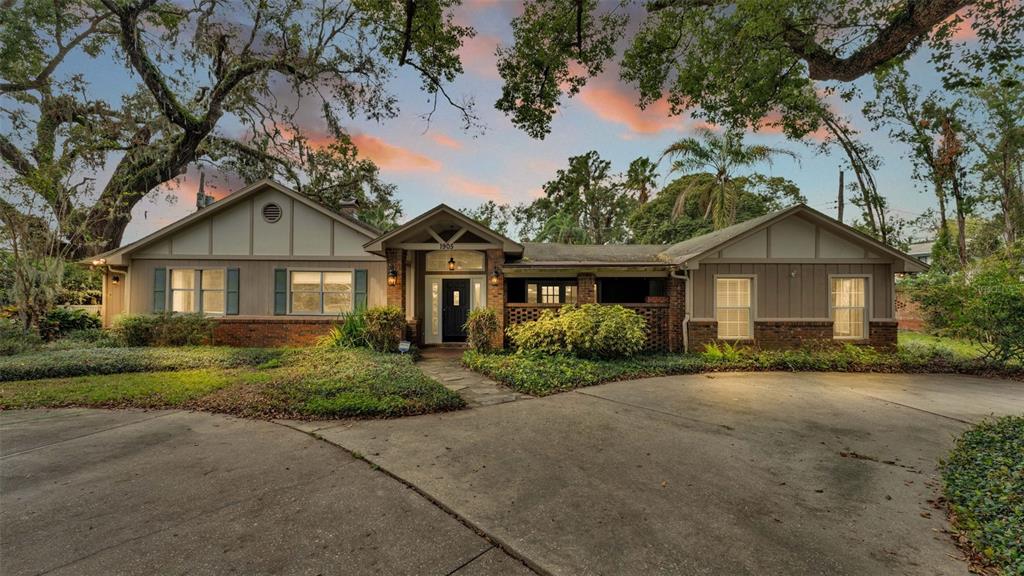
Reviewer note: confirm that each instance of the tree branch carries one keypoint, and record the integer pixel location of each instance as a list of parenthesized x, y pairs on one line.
[(44, 75)]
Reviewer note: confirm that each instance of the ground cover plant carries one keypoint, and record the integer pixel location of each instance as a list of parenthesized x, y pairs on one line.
[(541, 374), (983, 484), (262, 383)]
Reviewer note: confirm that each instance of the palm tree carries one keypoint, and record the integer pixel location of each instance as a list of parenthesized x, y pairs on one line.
[(640, 178), (721, 155)]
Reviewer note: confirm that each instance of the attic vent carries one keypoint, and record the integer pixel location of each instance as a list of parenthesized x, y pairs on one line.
[(271, 212)]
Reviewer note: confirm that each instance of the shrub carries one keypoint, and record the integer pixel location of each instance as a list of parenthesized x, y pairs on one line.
[(589, 331), (164, 329), (350, 332), (481, 327), (721, 352), (385, 327), (59, 321), (14, 339), (984, 485)]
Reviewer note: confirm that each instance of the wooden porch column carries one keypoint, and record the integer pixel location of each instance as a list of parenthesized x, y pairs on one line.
[(586, 288), (496, 294)]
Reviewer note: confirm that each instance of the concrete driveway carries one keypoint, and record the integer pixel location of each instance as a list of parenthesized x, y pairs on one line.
[(120, 492), (708, 474)]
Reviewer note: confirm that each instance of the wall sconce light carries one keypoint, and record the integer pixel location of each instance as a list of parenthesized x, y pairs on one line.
[(392, 276), (495, 277), (451, 263), (115, 279)]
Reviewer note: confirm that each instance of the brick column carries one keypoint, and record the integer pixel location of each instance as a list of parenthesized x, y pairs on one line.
[(396, 294), (496, 294), (586, 290), (676, 312)]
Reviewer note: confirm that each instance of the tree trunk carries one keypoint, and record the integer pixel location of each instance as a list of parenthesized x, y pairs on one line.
[(961, 222)]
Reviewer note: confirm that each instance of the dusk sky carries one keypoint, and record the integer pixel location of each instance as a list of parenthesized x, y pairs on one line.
[(443, 163)]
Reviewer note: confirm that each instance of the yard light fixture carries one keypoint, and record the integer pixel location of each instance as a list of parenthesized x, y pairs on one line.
[(392, 276), (495, 277), (451, 263)]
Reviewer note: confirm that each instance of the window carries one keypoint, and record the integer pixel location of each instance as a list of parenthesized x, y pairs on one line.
[(848, 311), (183, 290), (732, 308), (550, 293), (321, 292), (211, 284), (437, 261)]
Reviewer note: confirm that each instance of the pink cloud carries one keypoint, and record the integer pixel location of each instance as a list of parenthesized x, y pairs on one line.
[(392, 157), (446, 141), (613, 102), (466, 187), (478, 55), (963, 30)]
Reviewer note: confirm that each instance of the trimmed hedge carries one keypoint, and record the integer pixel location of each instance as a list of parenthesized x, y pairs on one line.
[(587, 331), (89, 361), (983, 482)]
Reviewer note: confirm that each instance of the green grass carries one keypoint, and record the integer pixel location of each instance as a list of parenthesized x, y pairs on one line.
[(540, 375), (960, 348), (295, 383), (983, 482), (138, 390)]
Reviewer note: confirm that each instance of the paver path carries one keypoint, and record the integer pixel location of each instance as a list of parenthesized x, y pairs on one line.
[(445, 366)]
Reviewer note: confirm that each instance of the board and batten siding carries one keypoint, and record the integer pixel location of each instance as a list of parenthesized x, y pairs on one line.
[(792, 291), (256, 280)]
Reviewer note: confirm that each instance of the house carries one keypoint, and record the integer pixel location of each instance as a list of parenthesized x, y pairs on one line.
[(277, 268)]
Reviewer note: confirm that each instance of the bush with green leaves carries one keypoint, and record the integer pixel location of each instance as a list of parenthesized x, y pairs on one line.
[(58, 322), (983, 482), (721, 352), (349, 332), (16, 340), (164, 329), (588, 331), (481, 328), (385, 328)]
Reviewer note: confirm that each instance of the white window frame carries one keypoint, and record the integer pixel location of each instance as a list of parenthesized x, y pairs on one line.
[(563, 286), (197, 290), (753, 304), (352, 274), (867, 306)]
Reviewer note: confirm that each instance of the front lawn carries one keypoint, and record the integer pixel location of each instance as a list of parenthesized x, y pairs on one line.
[(983, 483), (540, 374), (263, 383)]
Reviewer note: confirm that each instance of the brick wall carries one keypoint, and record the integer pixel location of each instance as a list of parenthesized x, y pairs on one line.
[(586, 288), (908, 312), (396, 293), (882, 333), (496, 294), (675, 313), (270, 332), (778, 334)]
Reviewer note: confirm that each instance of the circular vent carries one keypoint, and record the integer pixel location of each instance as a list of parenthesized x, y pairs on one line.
[(271, 212)]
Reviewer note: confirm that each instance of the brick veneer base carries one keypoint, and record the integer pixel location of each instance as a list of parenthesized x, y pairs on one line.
[(793, 334), (270, 332)]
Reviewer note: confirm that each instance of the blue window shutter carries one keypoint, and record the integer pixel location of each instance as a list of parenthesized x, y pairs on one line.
[(360, 290), (159, 289), (280, 291), (232, 293)]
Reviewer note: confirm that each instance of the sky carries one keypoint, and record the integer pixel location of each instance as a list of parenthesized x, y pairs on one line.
[(440, 162)]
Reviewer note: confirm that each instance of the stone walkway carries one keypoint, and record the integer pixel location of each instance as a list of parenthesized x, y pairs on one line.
[(445, 366)]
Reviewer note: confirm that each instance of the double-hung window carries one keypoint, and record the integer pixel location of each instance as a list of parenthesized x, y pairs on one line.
[(197, 290), (849, 313), (320, 292), (733, 308)]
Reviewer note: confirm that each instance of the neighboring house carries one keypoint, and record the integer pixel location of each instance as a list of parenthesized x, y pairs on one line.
[(921, 250), (277, 268)]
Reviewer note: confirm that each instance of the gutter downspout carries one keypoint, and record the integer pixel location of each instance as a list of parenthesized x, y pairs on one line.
[(686, 311)]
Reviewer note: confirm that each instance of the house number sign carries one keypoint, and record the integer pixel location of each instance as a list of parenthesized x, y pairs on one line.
[(447, 245)]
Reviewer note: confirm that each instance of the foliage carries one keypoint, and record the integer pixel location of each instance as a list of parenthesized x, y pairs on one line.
[(166, 329), (58, 322), (984, 303), (481, 328), (735, 63), (588, 331), (721, 352), (542, 374), (90, 361), (295, 383), (14, 339), (641, 179), (350, 332), (983, 483), (721, 156), (199, 67), (385, 328), (497, 217), (583, 204), (80, 285), (36, 284)]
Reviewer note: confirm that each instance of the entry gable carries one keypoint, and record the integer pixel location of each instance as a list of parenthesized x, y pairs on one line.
[(443, 228)]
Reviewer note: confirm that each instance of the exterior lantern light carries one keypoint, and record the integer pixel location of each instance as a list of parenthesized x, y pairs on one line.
[(495, 277), (392, 276), (115, 279), (451, 263)]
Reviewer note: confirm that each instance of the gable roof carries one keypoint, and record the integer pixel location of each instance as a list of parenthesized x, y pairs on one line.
[(113, 256), (554, 254), (510, 246)]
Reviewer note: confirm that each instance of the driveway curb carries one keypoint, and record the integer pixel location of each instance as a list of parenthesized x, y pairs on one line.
[(494, 540)]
